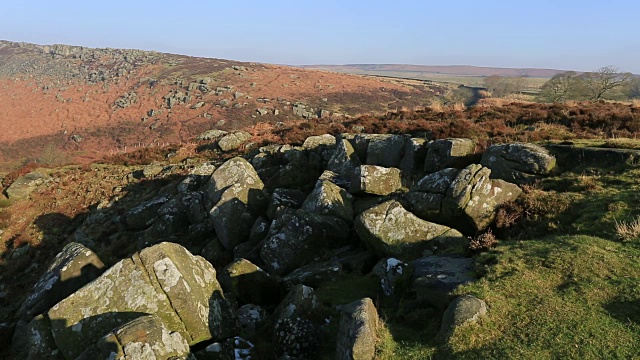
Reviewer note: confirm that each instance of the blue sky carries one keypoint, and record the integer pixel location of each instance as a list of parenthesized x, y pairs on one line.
[(577, 35)]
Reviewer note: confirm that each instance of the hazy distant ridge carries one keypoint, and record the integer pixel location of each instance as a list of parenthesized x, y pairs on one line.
[(459, 70)]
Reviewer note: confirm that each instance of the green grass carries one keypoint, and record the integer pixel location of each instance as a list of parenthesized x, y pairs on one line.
[(560, 297)]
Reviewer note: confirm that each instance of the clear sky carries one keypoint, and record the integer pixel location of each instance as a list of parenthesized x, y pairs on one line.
[(562, 34)]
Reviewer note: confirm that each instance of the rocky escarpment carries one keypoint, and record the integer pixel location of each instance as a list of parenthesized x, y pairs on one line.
[(229, 256)]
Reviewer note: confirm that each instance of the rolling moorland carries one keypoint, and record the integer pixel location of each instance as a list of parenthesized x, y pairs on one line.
[(402, 224)]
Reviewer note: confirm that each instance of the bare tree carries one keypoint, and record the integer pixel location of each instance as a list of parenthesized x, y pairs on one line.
[(605, 80), (560, 86)]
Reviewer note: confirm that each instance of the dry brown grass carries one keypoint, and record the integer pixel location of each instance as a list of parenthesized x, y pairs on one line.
[(628, 231), (436, 106), (458, 107), (635, 103)]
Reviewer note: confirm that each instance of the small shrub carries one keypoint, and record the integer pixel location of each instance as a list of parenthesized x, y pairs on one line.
[(628, 231), (483, 241)]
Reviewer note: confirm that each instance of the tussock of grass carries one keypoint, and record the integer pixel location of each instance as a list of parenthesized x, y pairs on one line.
[(628, 231)]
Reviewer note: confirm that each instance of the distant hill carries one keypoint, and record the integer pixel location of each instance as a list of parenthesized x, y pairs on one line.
[(457, 70), (62, 100)]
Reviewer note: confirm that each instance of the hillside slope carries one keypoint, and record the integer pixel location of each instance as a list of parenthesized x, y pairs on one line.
[(70, 102)]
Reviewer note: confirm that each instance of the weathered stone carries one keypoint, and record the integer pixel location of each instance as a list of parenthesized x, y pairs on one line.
[(298, 338), (330, 200), (150, 171), (435, 277), (300, 302), (357, 334), (34, 341), (393, 231), (284, 198), (163, 280), (74, 267), (462, 310), (327, 141), (216, 254), (412, 162), (518, 163), (376, 180), (385, 150), (235, 348), (389, 270), (23, 186), (437, 182), (234, 140), (237, 192), (214, 134), (143, 214), (448, 153), (143, 338), (250, 284), (344, 160), (296, 239), (297, 174), (251, 318), (314, 274)]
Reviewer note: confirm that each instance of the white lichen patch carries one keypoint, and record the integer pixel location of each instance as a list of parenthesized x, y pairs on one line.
[(167, 273)]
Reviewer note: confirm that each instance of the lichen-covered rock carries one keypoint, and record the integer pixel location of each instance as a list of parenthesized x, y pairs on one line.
[(448, 153), (237, 192), (412, 162), (300, 302), (389, 270), (143, 338), (376, 180), (299, 174), (298, 338), (71, 269), (34, 341), (462, 310), (344, 160), (314, 274), (212, 134), (330, 200), (164, 280), (23, 186), (321, 141), (518, 163), (357, 334), (466, 199), (251, 318), (143, 214), (395, 232), (234, 140), (250, 284), (384, 149), (436, 277), (295, 239), (284, 198)]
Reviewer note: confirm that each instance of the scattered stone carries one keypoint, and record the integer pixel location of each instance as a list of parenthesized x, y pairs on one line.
[(212, 135), (344, 161), (435, 277), (518, 163), (393, 231), (315, 142), (465, 309), (376, 180), (357, 334), (23, 186), (314, 274), (448, 153), (329, 199), (234, 140)]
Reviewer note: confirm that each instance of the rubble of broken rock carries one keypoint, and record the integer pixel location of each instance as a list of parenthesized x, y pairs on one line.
[(227, 260)]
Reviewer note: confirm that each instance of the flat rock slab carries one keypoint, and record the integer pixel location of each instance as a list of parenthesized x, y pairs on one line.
[(435, 277)]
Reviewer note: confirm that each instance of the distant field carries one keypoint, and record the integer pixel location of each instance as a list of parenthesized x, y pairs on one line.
[(533, 84)]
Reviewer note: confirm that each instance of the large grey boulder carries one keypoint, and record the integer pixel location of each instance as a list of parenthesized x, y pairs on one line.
[(34, 341), (412, 162), (314, 274), (320, 141), (448, 153), (393, 231), (357, 334), (384, 150), (23, 186), (295, 239), (74, 267), (467, 198), (233, 140), (164, 280), (329, 199), (282, 199), (237, 192), (143, 338), (376, 180), (300, 302), (518, 163), (251, 319), (142, 215), (212, 134), (436, 277), (465, 309), (344, 160)]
